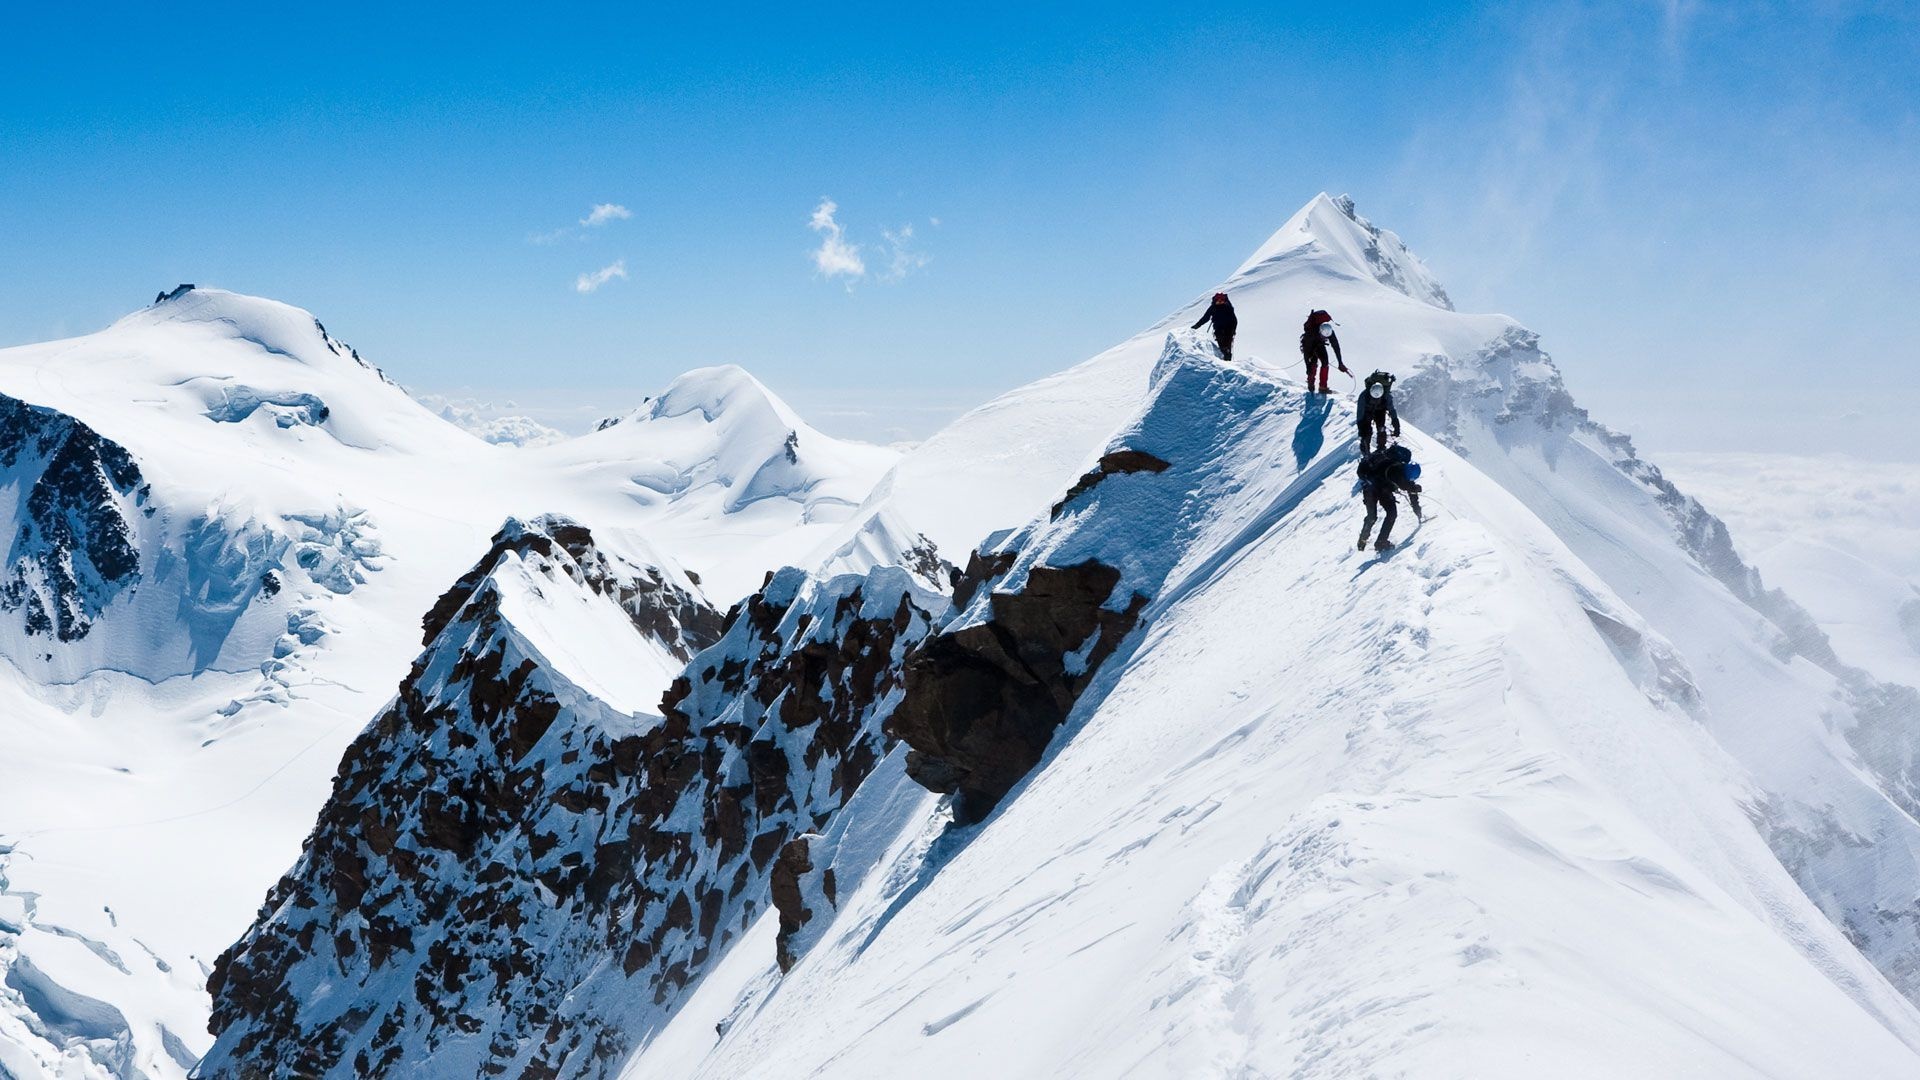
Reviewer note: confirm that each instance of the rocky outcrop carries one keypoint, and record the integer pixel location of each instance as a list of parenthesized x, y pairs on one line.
[(789, 708), (983, 700), (1111, 463), (666, 612), (519, 880), (471, 866), (1038, 615), (73, 547)]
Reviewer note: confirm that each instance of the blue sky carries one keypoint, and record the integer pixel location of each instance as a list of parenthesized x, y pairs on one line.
[(1710, 212)]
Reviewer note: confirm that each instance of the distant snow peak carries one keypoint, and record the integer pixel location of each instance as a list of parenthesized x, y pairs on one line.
[(712, 391), (1333, 226), (281, 329)]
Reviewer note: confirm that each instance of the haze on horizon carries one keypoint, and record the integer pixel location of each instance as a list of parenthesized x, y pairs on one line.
[(1705, 210)]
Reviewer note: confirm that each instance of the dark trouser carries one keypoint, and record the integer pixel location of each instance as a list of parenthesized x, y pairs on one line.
[(1377, 498), (1376, 424), (1225, 340)]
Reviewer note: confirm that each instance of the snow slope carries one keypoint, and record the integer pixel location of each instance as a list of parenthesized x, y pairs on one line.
[(290, 515), (1559, 788), (1833, 752), (1448, 812)]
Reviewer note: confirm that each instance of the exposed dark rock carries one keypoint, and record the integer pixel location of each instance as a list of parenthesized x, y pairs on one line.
[(562, 872), (983, 700), (981, 570), (75, 549), (670, 614), (788, 871), (1111, 463)]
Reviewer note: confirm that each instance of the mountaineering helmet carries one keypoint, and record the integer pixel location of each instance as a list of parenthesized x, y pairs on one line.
[(1377, 390), (1326, 329)]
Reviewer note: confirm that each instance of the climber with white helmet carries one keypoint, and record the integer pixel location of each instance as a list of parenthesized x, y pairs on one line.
[(1376, 409)]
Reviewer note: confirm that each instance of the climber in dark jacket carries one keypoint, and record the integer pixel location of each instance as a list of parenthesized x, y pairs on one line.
[(1314, 339), (1376, 408), (1382, 472), (1225, 322)]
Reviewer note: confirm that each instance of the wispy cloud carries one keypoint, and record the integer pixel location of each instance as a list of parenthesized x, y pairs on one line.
[(591, 282), (598, 216), (835, 257), (901, 258), (838, 257), (605, 212)]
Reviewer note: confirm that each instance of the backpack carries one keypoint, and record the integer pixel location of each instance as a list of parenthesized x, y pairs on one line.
[(1401, 469), (1387, 467), (1314, 319), (1220, 298), (1372, 469), (1383, 377)]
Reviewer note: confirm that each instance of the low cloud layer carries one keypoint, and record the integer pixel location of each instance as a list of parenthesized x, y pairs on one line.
[(497, 424)]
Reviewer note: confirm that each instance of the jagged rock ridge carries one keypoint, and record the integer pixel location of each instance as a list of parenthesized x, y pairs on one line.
[(73, 547), (517, 879)]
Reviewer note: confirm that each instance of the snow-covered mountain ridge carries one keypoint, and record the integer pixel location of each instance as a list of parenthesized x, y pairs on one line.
[(1556, 788), (1832, 750), (569, 868), (223, 527), (1449, 812)]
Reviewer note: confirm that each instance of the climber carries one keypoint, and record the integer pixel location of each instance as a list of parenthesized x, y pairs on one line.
[(1376, 408), (1381, 473), (1314, 339), (1225, 322)]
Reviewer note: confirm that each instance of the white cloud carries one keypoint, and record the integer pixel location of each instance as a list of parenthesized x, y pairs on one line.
[(901, 259), (587, 283), (598, 215), (605, 212), (834, 257), (1869, 509), (839, 257)]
